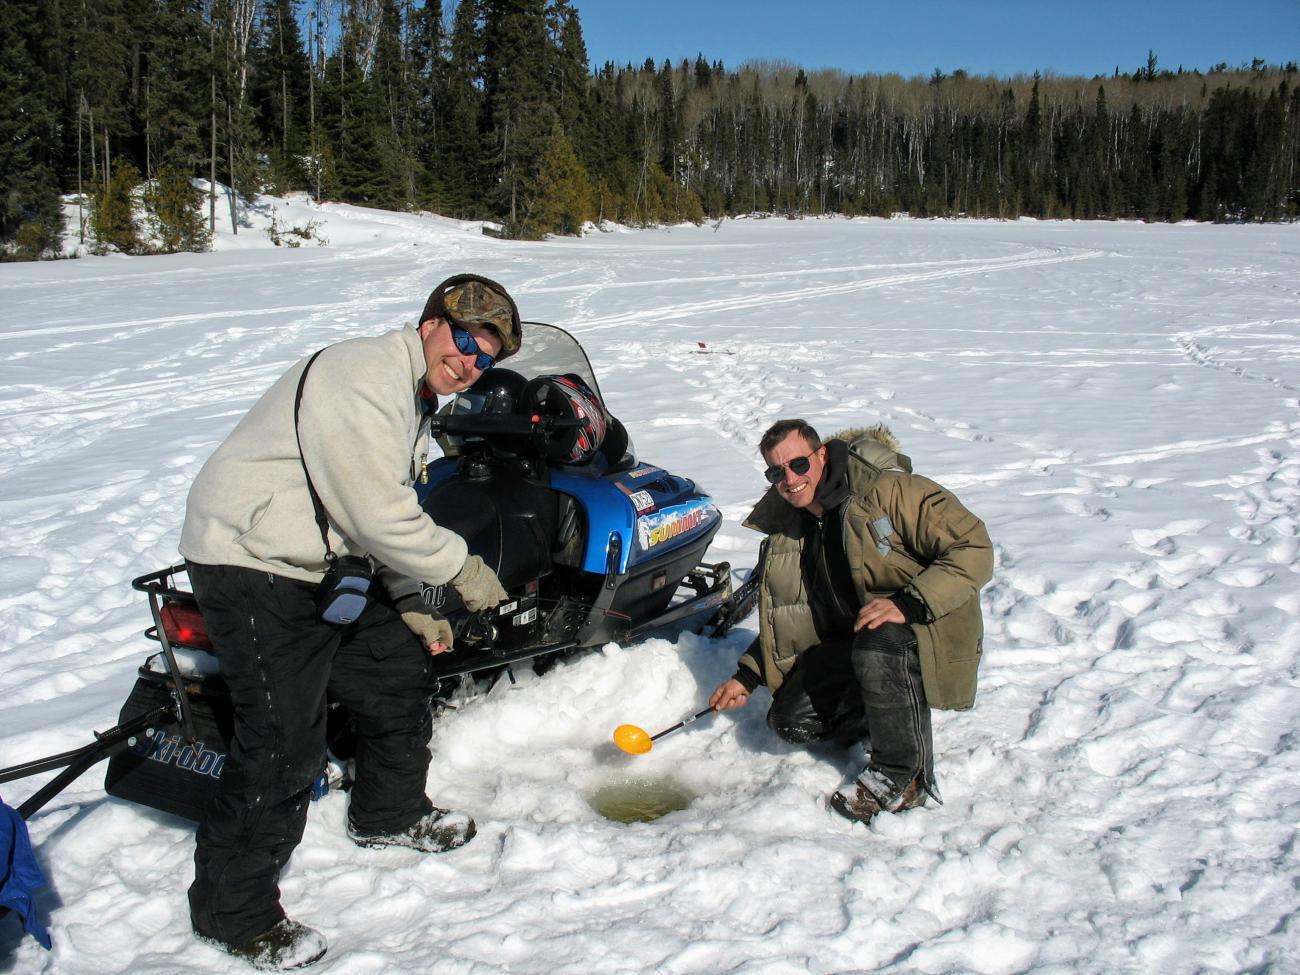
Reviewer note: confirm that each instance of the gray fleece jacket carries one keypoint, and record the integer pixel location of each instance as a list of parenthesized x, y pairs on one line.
[(364, 442)]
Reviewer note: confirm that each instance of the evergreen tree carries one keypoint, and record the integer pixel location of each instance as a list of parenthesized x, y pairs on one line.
[(669, 135), (456, 157), (235, 25), (99, 79), (175, 211), (280, 93), (570, 80), (561, 197), (348, 113), (428, 89), (29, 189), (112, 212), (518, 113), (391, 104), (176, 96), (1033, 177)]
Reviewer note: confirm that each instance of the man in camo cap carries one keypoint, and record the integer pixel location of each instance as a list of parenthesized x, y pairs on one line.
[(356, 422)]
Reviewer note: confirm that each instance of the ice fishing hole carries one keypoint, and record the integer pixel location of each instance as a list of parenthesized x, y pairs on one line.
[(639, 800)]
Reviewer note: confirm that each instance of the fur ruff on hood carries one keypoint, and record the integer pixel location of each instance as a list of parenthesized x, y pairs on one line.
[(877, 432), (877, 446)]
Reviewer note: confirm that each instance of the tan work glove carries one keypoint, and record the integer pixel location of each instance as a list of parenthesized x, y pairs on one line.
[(434, 631), (410, 599), (478, 585)]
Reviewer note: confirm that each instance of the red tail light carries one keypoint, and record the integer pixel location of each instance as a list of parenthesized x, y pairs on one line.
[(184, 626)]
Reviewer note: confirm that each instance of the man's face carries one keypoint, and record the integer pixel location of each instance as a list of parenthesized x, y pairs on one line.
[(450, 370), (798, 489)]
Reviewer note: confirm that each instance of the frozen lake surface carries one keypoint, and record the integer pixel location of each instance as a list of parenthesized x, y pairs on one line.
[(1119, 402)]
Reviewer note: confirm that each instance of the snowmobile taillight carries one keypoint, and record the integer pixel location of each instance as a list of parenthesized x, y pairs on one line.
[(184, 626)]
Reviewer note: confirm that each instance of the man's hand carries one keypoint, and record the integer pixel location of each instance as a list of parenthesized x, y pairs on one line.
[(730, 694), (434, 631), (410, 599), (878, 612), (478, 586)]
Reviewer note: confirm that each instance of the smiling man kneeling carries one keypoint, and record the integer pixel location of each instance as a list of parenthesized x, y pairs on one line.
[(869, 611)]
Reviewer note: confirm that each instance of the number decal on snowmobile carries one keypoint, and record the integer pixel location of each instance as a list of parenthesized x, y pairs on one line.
[(642, 500)]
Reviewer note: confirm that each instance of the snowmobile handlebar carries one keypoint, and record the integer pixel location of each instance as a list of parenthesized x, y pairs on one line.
[(499, 424)]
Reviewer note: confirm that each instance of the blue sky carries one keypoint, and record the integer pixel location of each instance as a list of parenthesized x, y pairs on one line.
[(1001, 37)]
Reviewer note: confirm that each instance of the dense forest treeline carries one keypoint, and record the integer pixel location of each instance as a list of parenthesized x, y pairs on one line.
[(488, 109)]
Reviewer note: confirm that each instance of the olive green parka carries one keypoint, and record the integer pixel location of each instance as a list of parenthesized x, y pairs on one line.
[(901, 531)]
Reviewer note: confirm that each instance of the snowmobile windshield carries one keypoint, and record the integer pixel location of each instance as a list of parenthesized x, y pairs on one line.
[(551, 351)]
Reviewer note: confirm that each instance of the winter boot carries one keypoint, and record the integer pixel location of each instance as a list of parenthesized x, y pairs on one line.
[(436, 832), (873, 792), (286, 946)]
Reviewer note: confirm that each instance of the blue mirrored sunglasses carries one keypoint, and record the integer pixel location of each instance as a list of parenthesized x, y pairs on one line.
[(467, 346)]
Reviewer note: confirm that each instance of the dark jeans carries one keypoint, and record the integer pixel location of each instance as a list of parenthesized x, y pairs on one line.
[(283, 665), (865, 687)]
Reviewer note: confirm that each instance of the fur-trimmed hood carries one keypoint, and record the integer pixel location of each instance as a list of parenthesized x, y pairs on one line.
[(876, 445)]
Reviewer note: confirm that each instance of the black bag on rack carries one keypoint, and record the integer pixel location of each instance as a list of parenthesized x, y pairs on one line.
[(161, 769)]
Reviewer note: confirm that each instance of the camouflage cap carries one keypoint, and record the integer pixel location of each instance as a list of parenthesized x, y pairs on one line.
[(468, 299)]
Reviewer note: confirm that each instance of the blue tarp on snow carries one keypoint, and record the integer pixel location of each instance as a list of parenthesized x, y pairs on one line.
[(20, 875)]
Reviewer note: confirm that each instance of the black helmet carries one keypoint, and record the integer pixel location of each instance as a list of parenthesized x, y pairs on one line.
[(569, 397), (496, 391)]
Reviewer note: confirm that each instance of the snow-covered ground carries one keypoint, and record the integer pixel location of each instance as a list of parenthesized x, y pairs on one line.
[(1119, 402)]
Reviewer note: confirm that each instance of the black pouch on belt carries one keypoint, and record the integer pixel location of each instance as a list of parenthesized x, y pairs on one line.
[(344, 593)]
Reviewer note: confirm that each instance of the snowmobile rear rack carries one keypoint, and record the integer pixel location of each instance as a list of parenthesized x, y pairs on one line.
[(162, 591), (77, 761)]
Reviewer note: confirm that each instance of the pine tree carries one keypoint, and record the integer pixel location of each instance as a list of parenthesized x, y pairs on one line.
[(99, 63), (570, 80), (561, 198), (235, 22), (174, 208), (176, 97), (1032, 180), (391, 104), (280, 92), (29, 197), (456, 157), (428, 89), (112, 212), (518, 112)]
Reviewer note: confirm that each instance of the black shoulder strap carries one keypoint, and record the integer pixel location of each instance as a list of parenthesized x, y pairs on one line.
[(321, 521)]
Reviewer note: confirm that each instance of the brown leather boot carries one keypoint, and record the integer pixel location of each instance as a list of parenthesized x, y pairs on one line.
[(285, 947), (872, 793), (438, 831)]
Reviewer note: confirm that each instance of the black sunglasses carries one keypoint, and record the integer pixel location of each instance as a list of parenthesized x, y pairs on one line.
[(799, 465), (467, 346)]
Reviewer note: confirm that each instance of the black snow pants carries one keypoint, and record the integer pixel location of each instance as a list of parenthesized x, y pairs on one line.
[(283, 665), (868, 686)]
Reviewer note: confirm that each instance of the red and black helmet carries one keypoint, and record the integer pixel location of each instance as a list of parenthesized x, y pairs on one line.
[(567, 396)]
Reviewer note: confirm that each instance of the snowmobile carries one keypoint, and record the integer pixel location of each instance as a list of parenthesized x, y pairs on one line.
[(592, 545)]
